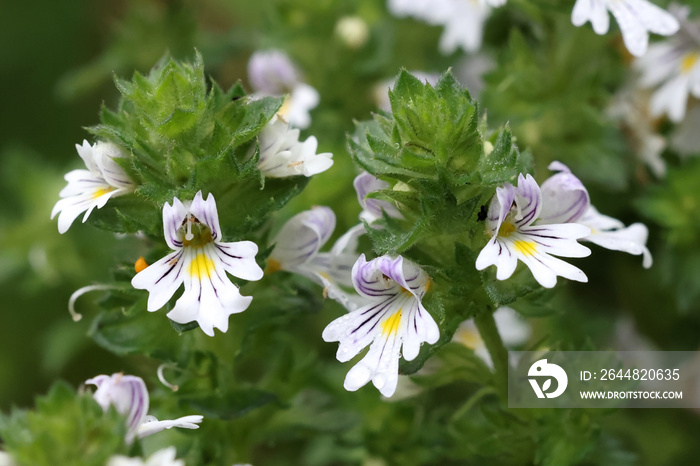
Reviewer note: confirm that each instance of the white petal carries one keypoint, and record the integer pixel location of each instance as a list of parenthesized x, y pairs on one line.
[(128, 395), (631, 240), (85, 153), (671, 98), (528, 200), (655, 19), (162, 279), (497, 253), (593, 11), (420, 327), (209, 297), (546, 268), (558, 240), (152, 425), (238, 259), (634, 32)]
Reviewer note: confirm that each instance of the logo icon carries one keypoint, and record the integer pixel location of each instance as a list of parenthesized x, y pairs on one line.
[(542, 368)]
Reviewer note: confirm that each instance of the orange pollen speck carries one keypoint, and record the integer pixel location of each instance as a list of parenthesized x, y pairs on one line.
[(140, 264)]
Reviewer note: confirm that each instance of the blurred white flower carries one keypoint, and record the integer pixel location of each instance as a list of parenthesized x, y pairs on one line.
[(272, 73), (513, 329), (92, 188), (463, 20), (686, 138), (6, 460), (636, 18), (381, 90), (164, 457), (631, 108), (128, 395), (672, 68), (353, 31), (283, 155)]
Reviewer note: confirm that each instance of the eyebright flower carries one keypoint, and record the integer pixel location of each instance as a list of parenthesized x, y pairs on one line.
[(515, 235), (372, 209), (200, 260), (636, 18), (91, 188), (565, 199), (128, 395), (283, 155), (297, 248), (673, 68), (273, 73), (392, 321), (164, 457)]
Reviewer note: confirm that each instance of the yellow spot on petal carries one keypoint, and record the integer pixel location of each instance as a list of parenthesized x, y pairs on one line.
[(688, 62), (391, 325), (506, 229), (526, 248), (284, 109), (102, 191), (468, 337), (272, 266), (140, 264), (201, 266)]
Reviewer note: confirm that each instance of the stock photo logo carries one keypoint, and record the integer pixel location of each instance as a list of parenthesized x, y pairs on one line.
[(541, 369)]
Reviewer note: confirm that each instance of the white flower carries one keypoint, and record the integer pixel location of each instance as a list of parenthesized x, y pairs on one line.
[(6, 459), (283, 155), (513, 329), (565, 199), (673, 69), (200, 260), (297, 248), (164, 457), (463, 19), (392, 321), (128, 395), (636, 18), (91, 188), (352, 30), (271, 72), (514, 235), (373, 209)]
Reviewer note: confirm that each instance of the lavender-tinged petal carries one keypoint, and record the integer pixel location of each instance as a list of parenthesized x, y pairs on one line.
[(564, 198), (528, 200), (172, 221), (206, 212), (302, 236), (499, 207), (369, 281), (366, 183)]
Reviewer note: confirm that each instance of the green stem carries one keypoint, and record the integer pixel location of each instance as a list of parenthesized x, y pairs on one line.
[(499, 355)]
